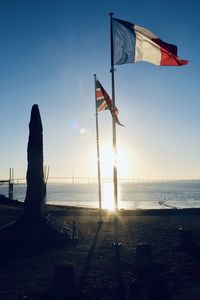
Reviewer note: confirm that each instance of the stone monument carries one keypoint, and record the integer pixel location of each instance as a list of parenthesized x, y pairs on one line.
[(35, 198)]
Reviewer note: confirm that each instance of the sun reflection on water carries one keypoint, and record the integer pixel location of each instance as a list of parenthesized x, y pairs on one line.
[(108, 196)]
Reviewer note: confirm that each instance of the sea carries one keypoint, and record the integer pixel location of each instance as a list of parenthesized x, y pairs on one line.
[(137, 195)]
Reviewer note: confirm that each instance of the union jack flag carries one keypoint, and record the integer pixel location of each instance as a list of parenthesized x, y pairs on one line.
[(104, 102)]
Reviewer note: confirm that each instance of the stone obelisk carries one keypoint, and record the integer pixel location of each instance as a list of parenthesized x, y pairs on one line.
[(35, 199)]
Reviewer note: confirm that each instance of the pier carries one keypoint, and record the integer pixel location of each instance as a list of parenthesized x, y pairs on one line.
[(10, 183)]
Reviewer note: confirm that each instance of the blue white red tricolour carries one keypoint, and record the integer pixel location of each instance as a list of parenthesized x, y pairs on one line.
[(133, 43)]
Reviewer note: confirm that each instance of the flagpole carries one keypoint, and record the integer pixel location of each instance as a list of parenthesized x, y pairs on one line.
[(98, 153), (115, 179)]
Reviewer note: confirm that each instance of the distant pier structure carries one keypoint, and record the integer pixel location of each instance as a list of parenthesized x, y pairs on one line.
[(87, 180), (80, 180), (83, 179), (10, 183)]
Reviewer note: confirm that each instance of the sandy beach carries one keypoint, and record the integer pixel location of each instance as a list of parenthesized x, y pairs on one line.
[(101, 270)]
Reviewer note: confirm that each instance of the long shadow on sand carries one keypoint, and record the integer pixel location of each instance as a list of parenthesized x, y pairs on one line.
[(89, 258), (119, 270)]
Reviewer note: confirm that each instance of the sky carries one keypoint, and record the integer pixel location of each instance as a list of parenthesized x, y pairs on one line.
[(49, 51)]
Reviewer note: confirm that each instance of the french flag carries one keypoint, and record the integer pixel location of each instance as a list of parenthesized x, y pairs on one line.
[(133, 43)]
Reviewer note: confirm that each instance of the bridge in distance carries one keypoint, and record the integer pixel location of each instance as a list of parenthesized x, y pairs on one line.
[(76, 180)]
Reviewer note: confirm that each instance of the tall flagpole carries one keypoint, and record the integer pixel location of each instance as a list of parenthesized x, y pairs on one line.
[(98, 153), (115, 179)]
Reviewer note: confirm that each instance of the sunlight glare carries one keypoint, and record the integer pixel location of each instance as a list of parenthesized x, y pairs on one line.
[(107, 159), (108, 196)]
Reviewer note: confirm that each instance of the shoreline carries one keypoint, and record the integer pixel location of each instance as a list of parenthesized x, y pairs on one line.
[(159, 195), (7, 205)]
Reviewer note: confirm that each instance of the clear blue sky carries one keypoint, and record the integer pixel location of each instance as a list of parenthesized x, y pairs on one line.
[(49, 51)]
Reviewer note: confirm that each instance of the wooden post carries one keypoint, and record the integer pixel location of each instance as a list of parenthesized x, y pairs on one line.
[(75, 230), (10, 190), (10, 184)]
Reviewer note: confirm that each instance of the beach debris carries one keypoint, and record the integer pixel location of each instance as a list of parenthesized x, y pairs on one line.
[(164, 204), (35, 200), (63, 283)]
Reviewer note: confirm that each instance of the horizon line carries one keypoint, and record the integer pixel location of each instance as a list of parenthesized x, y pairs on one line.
[(90, 179)]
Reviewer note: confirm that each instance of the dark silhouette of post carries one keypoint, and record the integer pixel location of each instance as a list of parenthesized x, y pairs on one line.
[(35, 199), (11, 183)]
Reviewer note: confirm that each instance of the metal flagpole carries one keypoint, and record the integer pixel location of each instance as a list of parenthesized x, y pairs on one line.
[(115, 179), (98, 154)]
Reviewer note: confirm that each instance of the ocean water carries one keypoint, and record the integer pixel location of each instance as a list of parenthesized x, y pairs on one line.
[(143, 195)]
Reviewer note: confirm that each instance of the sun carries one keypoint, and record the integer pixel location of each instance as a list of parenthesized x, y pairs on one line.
[(107, 160)]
